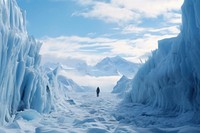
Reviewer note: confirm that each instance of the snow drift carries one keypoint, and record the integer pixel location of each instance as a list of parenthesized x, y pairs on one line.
[(170, 79), (22, 84)]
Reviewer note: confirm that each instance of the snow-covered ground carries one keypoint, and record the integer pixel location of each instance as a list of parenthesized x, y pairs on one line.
[(81, 112), (85, 113)]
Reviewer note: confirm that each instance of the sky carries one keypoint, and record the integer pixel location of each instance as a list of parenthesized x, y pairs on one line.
[(90, 30)]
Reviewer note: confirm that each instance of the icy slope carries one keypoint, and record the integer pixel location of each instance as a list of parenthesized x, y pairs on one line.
[(22, 85), (170, 79), (56, 74), (69, 84), (122, 86)]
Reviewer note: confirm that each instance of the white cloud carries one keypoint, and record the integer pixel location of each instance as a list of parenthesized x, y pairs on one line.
[(174, 18), (123, 11), (60, 48), (94, 49), (128, 14), (132, 29), (149, 8), (110, 13)]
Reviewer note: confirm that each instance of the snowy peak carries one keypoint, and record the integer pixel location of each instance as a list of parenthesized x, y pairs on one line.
[(111, 61), (114, 66), (118, 65), (107, 66), (119, 59)]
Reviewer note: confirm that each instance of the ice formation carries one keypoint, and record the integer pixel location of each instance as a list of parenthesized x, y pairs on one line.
[(170, 79), (122, 86), (60, 81), (22, 84)]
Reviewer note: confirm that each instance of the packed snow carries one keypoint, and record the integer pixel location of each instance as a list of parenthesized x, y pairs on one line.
[(86, 113)]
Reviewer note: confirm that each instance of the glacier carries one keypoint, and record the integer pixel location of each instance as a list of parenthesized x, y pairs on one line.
[(22, 83), (170, 79)]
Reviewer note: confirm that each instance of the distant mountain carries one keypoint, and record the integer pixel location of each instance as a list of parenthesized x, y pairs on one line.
[(104, 68), (107, 67), (117, 66)]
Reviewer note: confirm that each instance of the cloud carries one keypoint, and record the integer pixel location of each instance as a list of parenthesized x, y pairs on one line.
[(149, 8), (132, 17), (129, 29), (125, 11), (110, 13), (92, 50), (173, 18)]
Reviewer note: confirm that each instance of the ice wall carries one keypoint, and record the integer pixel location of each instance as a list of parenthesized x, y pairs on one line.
[(170, 79), (22, 84)]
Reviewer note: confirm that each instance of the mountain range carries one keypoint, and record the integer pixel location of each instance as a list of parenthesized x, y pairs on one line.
[(107, 67)]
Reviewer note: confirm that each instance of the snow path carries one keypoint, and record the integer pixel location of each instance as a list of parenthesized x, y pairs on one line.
[(84, 112)]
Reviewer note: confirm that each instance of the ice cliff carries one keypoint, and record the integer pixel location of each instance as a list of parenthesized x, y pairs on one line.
[(22, 84), (170, 79)]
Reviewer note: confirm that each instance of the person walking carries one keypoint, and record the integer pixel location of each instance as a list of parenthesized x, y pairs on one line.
[(98, 91)]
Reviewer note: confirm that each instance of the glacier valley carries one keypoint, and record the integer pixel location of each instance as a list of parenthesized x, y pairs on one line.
[(163, 96)]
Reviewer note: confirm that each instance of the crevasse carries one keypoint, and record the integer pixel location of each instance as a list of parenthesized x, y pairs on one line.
[(22, 84), (170, 79)]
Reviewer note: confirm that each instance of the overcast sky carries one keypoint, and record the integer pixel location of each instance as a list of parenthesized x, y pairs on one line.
[(93, 29)]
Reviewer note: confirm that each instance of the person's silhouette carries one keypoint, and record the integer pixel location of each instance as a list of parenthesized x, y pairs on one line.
[(98, 91)]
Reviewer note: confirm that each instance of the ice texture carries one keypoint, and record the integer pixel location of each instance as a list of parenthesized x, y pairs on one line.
[(22, 84), (170, 79)]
